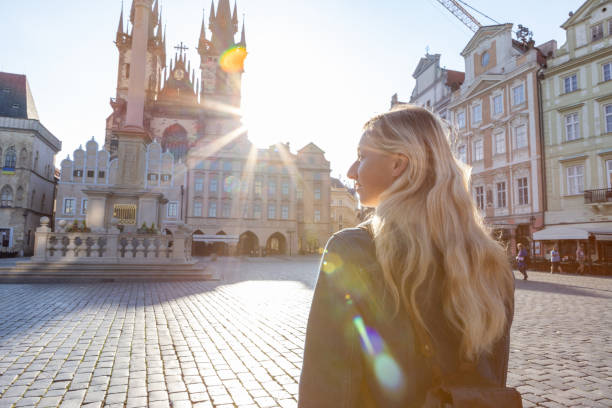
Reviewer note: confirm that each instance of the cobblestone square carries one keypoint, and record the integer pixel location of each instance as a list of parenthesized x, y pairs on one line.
[(238, 342)]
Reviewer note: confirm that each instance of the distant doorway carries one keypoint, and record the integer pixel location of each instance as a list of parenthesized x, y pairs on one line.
[(248, 244), (277, 244)]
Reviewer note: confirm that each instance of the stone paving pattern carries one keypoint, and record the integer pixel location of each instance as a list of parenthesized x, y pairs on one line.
[(238, 342)]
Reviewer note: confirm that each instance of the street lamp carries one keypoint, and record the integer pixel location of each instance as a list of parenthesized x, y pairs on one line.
[(290, 232)]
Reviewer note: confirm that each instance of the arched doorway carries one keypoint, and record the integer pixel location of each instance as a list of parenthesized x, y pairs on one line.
[(220, 248), (198, 248), (175, 141), (277, 244), (248, 244)]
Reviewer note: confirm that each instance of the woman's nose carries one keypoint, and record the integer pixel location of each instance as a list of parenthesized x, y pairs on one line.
[(352, 171)]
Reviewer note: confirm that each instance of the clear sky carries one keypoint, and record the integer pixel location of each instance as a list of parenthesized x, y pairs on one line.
[(316, 69)]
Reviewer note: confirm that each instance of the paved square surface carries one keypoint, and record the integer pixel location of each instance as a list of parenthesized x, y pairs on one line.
[(238, 342)]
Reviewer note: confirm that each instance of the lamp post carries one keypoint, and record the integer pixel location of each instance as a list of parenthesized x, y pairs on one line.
[(290, 232)]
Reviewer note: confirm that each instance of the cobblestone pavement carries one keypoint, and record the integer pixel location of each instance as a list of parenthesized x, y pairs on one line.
[(238, 342)]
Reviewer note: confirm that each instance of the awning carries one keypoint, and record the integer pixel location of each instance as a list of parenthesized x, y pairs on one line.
[(577, 231), (556, 232), (230, 239)]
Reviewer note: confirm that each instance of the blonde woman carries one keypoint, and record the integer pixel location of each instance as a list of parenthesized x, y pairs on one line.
[(423, 268)]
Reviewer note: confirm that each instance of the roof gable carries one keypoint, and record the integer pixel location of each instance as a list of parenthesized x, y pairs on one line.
[(582, 13), (482, 83), (424, 63), (16, 100), (484, 33), (311, 148)]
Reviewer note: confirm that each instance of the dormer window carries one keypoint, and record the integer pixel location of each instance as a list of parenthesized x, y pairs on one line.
[(485, 59)]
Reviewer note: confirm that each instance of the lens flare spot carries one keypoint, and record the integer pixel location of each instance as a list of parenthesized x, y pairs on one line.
[(232, 60), (388, 372), (363, 334), (230, 184), (331, 262)]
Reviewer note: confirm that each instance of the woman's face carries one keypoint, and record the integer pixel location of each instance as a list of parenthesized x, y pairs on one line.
[(373, 171)]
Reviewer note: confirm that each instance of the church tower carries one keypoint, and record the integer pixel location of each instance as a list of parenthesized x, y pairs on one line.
[(221, 57)]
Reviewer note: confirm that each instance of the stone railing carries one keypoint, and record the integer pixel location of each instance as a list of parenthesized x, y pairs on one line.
[(109, 247)]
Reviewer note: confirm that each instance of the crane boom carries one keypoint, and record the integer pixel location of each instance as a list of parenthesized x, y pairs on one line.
[(462, 14)]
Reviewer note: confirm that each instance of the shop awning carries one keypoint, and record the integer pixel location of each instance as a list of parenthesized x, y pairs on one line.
[(557, 232)]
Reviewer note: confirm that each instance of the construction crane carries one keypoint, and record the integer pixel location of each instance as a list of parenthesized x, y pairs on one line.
[(463, 15)]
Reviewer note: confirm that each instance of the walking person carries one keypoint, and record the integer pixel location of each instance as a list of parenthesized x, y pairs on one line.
[(555, 260), (521, 260), (418, 301), (580, 258)]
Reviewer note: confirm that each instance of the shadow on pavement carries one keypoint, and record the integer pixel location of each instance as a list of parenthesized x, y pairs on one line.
[(565, 289)]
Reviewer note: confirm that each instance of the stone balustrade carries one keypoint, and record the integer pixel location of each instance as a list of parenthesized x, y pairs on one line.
[(109, 247)]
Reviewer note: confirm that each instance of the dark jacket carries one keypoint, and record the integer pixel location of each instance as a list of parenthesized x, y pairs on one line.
[(358, 355)]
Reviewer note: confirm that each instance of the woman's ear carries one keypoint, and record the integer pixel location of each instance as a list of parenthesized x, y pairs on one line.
[(400, 162)]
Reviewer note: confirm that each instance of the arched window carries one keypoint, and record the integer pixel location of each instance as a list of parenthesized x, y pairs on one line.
[(23, 156), (6, 197), (36, 162), (175, 141), (19, 196), (42, 203), (10, 158)]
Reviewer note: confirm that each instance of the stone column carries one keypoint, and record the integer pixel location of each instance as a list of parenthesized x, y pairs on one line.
[(40, 240)]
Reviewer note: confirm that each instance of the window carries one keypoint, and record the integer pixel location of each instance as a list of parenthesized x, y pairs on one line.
[(212, 209), (572, 130), (245, 211), (258, 186), (597, 32), (317, 176), (462, 153), (91, 173), (501, 194), (227, 210), (523, 191), (317, 215), (497, 105), (227, 166), (101, 174), (214, 185), (152, 177), (83, 205), (69, 206), (317, 193), (518, 95), (44, 198), (485, 59), (172, 210), (500, 143), (607, 70), (477, 113), (285, 188), (256, 210), (271, 188), (10, 159), (299, 194), (608, 113), (198, 185), (165, 177), (197, 209), (570, 83), (480, 201), (520, 133), (227, 184), (609, 171), (461, 120), (575, 179), (339, 203), (271, 211), (478, 153), (285, 212), (214, 164), (6, 197)]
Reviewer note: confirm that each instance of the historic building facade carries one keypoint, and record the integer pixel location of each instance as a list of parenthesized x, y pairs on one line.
[(344, 206), (577, 123), (496, 113), (433, 85), (193, 161), (27, 180)]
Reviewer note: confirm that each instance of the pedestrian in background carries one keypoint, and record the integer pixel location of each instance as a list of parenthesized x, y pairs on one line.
[(419, 294), (555, 260), (521, 260), (580, 258)]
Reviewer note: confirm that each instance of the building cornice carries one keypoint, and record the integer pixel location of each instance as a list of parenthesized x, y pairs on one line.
[(32, 124), (576, 62)]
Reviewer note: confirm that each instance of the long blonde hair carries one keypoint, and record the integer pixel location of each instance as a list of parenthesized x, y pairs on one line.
[(428, 223)]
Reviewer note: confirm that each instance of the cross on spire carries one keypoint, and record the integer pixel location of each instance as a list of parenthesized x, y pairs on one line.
[(181, 48)]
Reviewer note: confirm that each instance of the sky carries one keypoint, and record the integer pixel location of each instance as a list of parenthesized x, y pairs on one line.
[(316, 71)]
